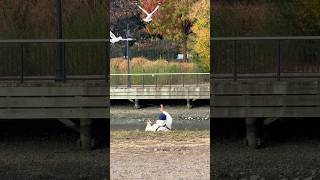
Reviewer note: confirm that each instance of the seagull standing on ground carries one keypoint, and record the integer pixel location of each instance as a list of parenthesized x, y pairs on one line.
[(149, 15), (115, 39)]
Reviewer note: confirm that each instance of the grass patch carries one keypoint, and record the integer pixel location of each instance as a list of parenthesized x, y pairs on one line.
[(142, 65)]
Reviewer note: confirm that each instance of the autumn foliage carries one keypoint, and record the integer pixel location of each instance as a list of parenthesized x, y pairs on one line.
[(36, 18)]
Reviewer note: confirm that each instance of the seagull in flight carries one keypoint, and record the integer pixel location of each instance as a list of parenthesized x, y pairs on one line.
[(149, 15), (115, 39)]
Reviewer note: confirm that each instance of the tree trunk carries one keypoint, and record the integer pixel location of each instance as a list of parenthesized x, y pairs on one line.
[(185, 48)]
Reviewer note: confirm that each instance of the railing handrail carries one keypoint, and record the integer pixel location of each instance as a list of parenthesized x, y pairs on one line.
[(52, 40), (266, 38), (278, 55), (151, 74)]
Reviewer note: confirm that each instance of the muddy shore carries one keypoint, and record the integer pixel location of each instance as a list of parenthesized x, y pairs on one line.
[(128, 118)]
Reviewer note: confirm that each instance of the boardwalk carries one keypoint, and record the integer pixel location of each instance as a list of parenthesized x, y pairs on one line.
[(55, 79), (188, 86), (265, 78)]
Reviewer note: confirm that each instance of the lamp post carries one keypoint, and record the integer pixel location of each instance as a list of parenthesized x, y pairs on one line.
[(128, 56), (60, 70)]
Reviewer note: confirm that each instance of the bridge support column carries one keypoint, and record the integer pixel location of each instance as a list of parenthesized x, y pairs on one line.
[(189, 106), (251, 132), (85, 133), (136, 104)]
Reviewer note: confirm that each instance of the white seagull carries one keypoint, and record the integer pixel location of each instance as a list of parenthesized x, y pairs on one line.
[(115, 39), (149, 15)]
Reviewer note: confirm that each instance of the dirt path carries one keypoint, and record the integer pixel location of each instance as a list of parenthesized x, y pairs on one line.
[(147, 155)]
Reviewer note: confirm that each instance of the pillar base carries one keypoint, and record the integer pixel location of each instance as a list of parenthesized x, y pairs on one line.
[(85, 134)]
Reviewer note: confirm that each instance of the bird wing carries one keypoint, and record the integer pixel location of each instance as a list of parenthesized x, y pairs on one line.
[(143, 9), (155, 9), (112, 35)]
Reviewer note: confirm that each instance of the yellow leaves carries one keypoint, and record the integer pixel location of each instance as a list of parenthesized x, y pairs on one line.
[(201, 38)]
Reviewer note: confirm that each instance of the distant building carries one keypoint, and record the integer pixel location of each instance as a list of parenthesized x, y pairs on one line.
[(180, 56)]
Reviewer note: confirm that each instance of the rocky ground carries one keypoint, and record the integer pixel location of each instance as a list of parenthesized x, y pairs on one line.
[(161, 155), (291, 150), (45, 149)]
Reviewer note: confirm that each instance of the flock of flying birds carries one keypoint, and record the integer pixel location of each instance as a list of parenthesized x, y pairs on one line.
[(147, 19)]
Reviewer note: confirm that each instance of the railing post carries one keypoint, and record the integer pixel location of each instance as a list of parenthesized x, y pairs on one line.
[(170, 80), (60, 74), (197, 79), (156, 80), (128, 57), (105, 63), (142, 80), (21, 62), (235, 75), (61, 63), (182, 80), (279, 61)]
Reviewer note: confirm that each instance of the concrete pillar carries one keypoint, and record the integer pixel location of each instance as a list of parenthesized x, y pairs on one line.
[(85, 133), (189, 106), (136, 104), (251, 132)]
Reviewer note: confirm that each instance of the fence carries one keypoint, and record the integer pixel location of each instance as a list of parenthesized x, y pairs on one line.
[(52, 58), (266, 57), (151, 50), (160, 79)]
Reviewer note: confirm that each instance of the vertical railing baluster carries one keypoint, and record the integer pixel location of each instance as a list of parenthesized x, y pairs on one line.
[(197, 79), (143, 80), (105, 63), (21, 62), (279, 61), (182, 80), (235, 61), (170, 80)]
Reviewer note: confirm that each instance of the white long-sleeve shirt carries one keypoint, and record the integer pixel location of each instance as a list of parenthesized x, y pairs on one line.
[(168, 119)]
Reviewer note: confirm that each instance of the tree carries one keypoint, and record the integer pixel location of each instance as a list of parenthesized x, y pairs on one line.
[(201, 32), (37, 19), (300, 17), (173, 22), (125, 12)]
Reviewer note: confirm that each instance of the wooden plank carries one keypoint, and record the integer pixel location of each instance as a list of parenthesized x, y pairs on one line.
[(168, 89), (54, 113), (243, 112), (266, 100), (53, 83), (265, 87), (161, 93), (148, 93), (160, 97), (42, 102), (53, 91), (264, 76)]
